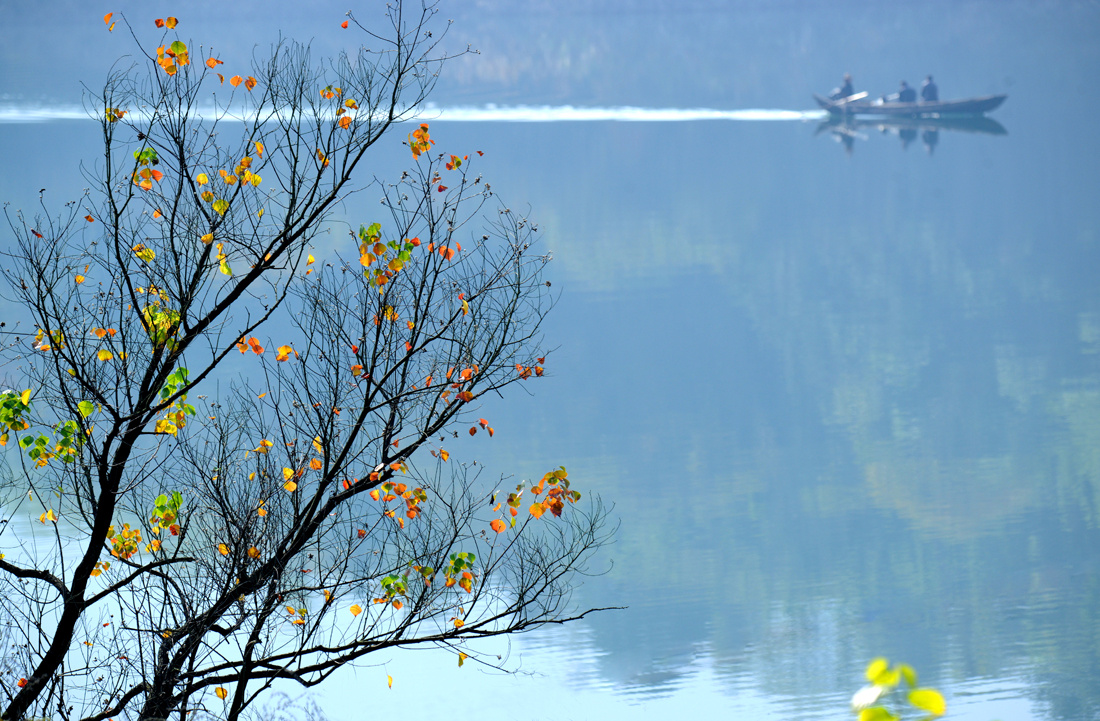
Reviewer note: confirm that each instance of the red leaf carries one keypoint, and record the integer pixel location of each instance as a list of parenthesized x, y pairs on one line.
[(159, 22), (441, 188), (473, 430), (36, 233), (480, 153), (344, 24)]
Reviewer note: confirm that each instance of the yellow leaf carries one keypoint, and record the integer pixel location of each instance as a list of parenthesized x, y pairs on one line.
[(310, 259), (259, 149), (444, 454), (51, 516), (253, 552), (25, 396), (223, 549), (929, 700), (355, 609), (283, 353), (316, 443), (461, 658), (876, 668), (264, 445), (202, 179), (290, 486), (79, 279), (221, 693), (207, 239), (288, 473), (104, 354), (389, 680)]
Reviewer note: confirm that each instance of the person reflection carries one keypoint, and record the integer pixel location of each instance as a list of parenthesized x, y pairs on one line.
[(930, 137), (907, 136)]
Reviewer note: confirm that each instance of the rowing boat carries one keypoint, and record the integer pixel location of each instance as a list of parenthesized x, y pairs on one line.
[(859, 105)]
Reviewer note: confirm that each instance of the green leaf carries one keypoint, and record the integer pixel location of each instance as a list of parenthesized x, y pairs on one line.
[(85, 408), (178, 48), (220, 206), (928, 699)]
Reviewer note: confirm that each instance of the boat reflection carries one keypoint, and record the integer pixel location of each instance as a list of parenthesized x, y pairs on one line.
[(846, 130)]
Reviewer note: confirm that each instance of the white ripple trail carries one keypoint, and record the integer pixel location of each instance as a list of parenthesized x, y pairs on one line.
[(23, 113)]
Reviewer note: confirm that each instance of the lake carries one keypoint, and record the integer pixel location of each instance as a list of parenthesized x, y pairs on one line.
[(842, 389)]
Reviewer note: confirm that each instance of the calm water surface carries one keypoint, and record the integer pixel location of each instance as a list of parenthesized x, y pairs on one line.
[(846, 400)]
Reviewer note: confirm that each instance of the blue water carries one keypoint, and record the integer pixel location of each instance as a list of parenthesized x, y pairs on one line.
[(846, 401)]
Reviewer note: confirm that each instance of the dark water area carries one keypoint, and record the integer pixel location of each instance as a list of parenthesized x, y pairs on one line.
[(846, 404)]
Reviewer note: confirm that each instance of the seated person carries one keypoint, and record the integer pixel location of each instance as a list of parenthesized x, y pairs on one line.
[(844, 90), (905, 94), (929, 93)]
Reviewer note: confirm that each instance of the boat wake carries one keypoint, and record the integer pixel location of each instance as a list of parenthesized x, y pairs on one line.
[(21, 113)]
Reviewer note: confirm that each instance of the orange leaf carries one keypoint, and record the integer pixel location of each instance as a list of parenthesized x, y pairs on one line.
[(157, 213), (223, 549), (221, 693), (345, 26), (213, 63), (253, 552), (88, 218), (249, 83), (537, 510), (473, 430), (355, 611), (345, 122), (171, 22), (284, 352), (236, 80), (498, 525), (107, 18), (159, 22)]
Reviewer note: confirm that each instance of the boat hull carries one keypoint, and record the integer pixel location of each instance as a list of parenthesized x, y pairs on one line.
[(970, 106)]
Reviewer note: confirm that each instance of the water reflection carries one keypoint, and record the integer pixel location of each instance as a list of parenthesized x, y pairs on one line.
[(847, 130)]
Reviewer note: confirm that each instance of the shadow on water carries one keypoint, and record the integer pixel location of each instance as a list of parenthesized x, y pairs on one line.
[(846, 130)]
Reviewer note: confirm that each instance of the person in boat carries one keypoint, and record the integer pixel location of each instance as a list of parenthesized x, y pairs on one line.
[(905, 94), (844, 90), (929, 93)]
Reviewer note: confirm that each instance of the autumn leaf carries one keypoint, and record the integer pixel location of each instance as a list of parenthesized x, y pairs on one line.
[(498, 525), (343, 25), (355, 609), (929, 700), (290, 486), (213, 63), (88, 218), (221, 692), (107, 18), (253, 552), (259, 149), (389, 680), (236, 80), (444, 454), (283, 353), (104, 354), (345, 122), (249, 83), (223, 549)]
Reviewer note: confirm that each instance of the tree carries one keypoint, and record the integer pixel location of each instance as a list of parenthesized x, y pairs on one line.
[(205, 538)]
